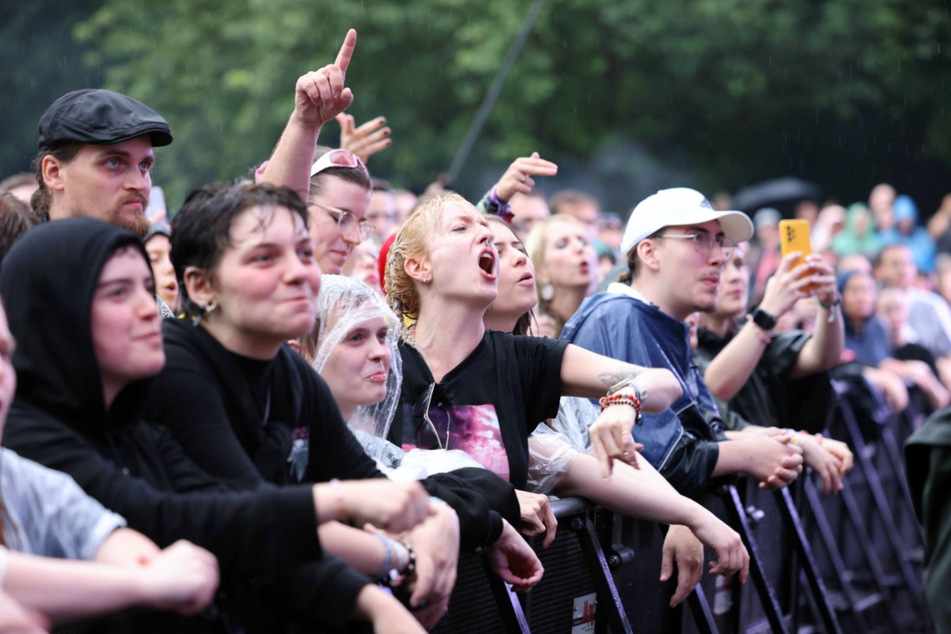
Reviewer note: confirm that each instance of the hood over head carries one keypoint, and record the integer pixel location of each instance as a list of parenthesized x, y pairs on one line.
[(47, 284)]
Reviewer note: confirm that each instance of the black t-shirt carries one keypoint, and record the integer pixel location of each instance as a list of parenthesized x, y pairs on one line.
[(487, 405)]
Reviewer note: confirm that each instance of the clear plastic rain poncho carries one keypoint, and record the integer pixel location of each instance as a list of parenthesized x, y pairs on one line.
[(342, 305)]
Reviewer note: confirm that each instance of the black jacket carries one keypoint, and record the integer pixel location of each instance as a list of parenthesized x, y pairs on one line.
[(59, 419), (239, 418)]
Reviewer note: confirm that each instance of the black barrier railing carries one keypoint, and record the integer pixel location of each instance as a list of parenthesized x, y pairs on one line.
[(602, 570)]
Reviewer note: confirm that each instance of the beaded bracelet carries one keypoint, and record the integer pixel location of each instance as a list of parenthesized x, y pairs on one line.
[(625, 396)]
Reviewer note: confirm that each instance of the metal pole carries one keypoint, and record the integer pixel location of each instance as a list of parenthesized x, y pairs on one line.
[(475, 128)]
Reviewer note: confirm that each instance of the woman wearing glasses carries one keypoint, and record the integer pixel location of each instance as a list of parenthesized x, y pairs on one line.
[(250, 411), (337, 204)]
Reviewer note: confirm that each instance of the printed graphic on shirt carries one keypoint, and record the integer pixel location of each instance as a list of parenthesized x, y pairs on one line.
[(300, 448), (473, 429)]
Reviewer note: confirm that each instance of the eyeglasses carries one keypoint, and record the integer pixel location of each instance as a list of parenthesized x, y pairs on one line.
[(337, 158), (346, 221), (425, 434), (704, 242)]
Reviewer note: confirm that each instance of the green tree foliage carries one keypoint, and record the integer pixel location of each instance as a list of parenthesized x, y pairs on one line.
[(841, 91)]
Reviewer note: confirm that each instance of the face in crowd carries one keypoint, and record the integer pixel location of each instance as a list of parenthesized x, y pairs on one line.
[(687, 261), (126, 324), (897, 267), (357, 368), (107, 182), (338, 220), (733, 294), (159, 248), (516, 294), (567, 259), (858, 297), (266, 284)]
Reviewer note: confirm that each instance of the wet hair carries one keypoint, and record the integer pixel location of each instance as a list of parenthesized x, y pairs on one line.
[(413, 240), (15, 220), (201, 230), (356, 175), (40, 201)]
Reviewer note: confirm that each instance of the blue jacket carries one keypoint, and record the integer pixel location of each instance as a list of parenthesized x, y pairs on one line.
[(624, 328)]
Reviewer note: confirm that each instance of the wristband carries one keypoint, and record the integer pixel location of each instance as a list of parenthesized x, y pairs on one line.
[(492, 204), (398, 577), (387, 567), (830, 307)]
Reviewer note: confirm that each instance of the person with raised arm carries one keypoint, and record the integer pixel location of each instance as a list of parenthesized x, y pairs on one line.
[(80, 298)]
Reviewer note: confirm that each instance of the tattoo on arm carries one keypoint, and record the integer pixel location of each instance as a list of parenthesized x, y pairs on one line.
[(610, 379)]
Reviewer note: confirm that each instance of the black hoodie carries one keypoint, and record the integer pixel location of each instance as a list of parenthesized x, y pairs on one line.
[(60, 420)]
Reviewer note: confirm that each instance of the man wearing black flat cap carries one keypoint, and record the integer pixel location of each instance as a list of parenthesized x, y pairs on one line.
[(95, 157)]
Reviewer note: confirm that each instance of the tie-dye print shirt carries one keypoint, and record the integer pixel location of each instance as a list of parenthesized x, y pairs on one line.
[(487, 405)]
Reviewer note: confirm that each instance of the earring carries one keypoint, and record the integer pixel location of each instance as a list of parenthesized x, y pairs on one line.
[(427, 279), (546, 292), (211, 306)]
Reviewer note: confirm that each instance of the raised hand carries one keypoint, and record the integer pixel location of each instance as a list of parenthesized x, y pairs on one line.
[(366, 140), (786, 286), (321, 94), (517, 179)]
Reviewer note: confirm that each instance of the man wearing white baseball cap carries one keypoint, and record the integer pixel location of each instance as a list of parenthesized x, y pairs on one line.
[(676, 245)]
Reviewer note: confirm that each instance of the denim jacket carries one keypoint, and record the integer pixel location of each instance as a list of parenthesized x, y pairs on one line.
[(616, 324)]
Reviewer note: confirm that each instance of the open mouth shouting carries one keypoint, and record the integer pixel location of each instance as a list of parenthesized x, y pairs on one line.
[(487, 261)]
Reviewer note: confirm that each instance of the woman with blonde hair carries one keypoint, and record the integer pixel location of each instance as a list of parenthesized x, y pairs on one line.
[(566, 266)]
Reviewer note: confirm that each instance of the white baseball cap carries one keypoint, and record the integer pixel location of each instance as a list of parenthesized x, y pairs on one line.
[(681, 206)]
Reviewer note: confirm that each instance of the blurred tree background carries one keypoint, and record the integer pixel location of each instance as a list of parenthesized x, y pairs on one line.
[(627, 95)]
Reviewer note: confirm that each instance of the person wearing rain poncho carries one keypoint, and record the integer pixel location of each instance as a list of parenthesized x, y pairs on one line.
[(356, 352), (252, 413)]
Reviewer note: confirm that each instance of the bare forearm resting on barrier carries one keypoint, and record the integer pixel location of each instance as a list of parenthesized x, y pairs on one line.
[(590, 375)]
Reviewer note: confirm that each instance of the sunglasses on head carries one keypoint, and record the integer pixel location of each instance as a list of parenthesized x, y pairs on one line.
[(337, 158)]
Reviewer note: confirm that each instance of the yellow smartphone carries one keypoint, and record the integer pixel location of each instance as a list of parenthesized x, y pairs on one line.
[(794, 236)]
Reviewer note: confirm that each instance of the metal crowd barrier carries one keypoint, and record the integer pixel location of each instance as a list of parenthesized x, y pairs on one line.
[(845, 563)]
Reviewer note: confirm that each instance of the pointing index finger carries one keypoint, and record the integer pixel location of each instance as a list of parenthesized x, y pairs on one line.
[(346, 50)]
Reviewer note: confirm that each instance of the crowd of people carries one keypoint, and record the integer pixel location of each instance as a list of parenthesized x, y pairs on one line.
[(292, 407)]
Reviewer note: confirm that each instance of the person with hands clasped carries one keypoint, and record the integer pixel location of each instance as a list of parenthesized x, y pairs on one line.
[(761, 374), (89, 344)]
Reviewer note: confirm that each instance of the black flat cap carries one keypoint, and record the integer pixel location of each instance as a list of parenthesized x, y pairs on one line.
[(100, 117)]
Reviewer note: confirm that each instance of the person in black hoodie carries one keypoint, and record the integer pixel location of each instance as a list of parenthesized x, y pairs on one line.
[(249, 410), (80, 301)]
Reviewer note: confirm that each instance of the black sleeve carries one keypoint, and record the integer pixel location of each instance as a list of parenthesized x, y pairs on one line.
[(190, 406), (259, 531), (783, 351), (323, 594), (481, 499), (539, 368)]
